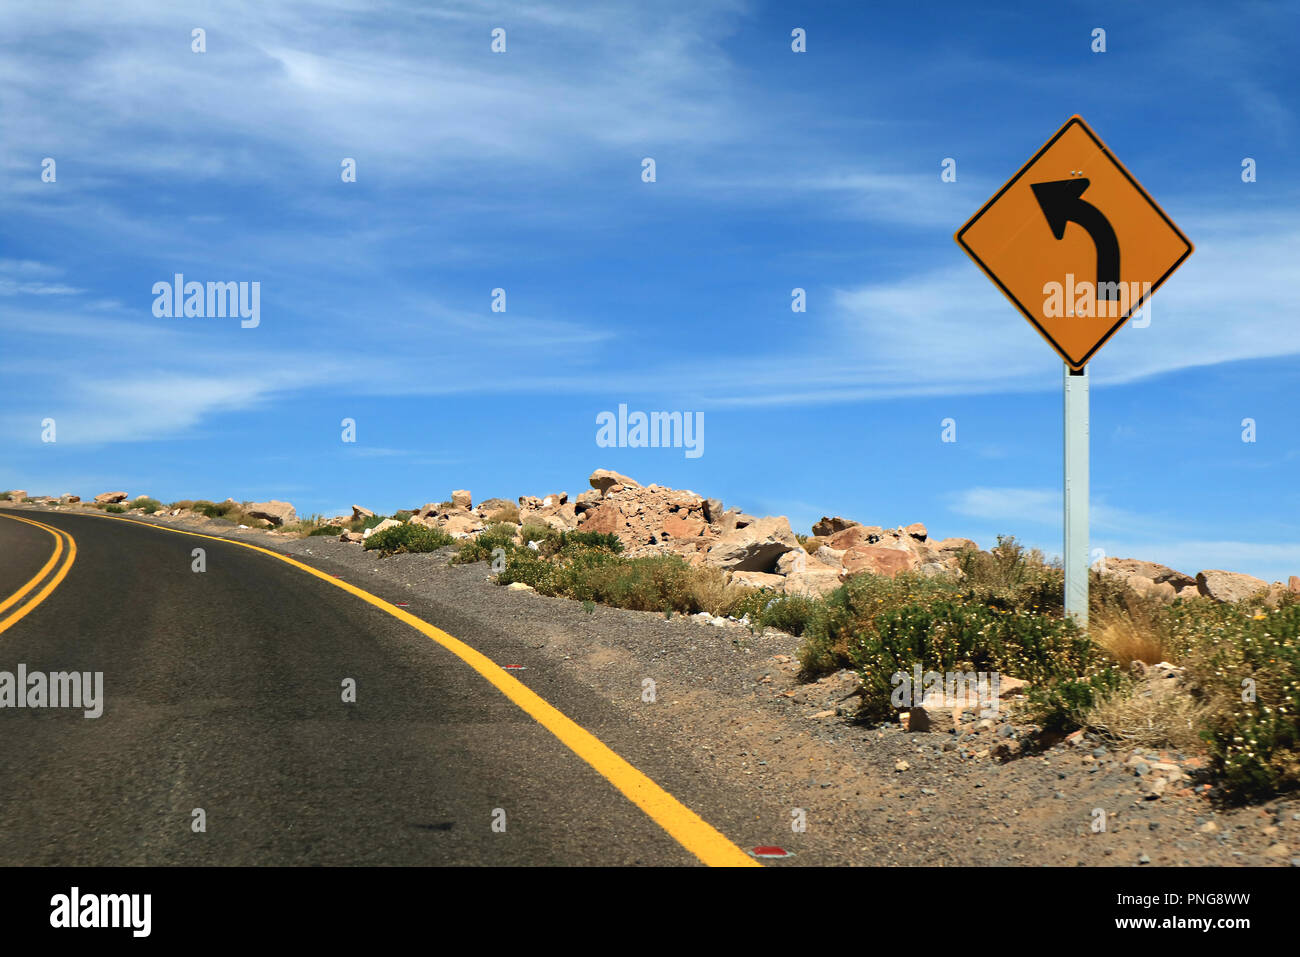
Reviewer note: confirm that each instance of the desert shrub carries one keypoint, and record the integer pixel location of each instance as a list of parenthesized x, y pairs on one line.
[(986, 621), (362, 522), (1137, 715), (829, 637), (712, 593), (230, 512), (116, 508), (507, 513), (480, 547), (149, 505), (407, 538), (789, 613), (529, 567), (1065, 669), (402, 515), (538, 533), (1245, 667), (326, 530), (597, 574), (606, 540)]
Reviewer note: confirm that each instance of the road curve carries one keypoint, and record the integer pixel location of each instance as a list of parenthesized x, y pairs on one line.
[(223, 691)]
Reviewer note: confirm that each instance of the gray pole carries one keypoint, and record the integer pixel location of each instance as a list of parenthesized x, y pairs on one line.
[(1076, 495)]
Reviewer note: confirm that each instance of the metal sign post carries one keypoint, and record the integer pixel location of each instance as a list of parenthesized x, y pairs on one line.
[(1076, 495)]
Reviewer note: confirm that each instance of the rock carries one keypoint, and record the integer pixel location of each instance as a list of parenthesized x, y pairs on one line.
[(496, 504), (953, 546), (754, 547), (917, 531), (829, 526), (816, 580), (878, 560), (519, 586), (1152, 571), (795, 560), (352, 537), (732, 519), (605, 519), (462, 526), (676, 526), (110, 498), (901, 766), (18, 494), (386, 523), (856, 535), (833, 557), (919, 719), (712, 510), (604, 479), (1293, 584), (358, 513), (1228, 586), (462, 498), (67, 498), (274, 511), (1278, 851), (758, 580), (587, 500)]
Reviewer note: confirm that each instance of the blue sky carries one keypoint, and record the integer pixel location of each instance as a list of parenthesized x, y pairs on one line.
[(522, 171)]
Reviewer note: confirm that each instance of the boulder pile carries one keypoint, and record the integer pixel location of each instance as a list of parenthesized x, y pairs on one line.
[(759, 551)]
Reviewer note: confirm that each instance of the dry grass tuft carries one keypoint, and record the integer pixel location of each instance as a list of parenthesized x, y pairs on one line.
[(1150, 716)]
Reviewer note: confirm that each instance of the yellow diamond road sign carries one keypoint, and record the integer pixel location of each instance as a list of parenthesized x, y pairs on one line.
[(1075, 242)]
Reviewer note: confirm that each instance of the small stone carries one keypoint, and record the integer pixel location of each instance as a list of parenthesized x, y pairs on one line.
[(901, 766), (1144, 859)]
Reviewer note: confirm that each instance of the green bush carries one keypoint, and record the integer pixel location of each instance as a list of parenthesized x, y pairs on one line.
[(407, 538), (326, 530), (150, 505), (789, 613), (606, 540), (480, 547), (989, 621), (596, 574), (1246, 667), (367, 521), (115, 508), (538, 533)]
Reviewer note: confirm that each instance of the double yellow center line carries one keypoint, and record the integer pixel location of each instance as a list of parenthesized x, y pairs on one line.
[(65, 553)]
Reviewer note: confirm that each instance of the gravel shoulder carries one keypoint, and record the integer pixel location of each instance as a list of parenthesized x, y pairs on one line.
[(729, 710)]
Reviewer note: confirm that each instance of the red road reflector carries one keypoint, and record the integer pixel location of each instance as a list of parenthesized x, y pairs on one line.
[(402, 604), (771, 851), (515, 667)]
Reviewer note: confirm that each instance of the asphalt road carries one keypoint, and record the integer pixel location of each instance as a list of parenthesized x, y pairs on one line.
[(223, 691)]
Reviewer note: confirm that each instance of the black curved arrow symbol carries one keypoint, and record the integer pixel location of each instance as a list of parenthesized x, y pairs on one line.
[(1062, 202)]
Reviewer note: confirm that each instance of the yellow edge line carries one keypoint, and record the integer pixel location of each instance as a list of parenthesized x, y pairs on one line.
[(53, 583), (685, 826)]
